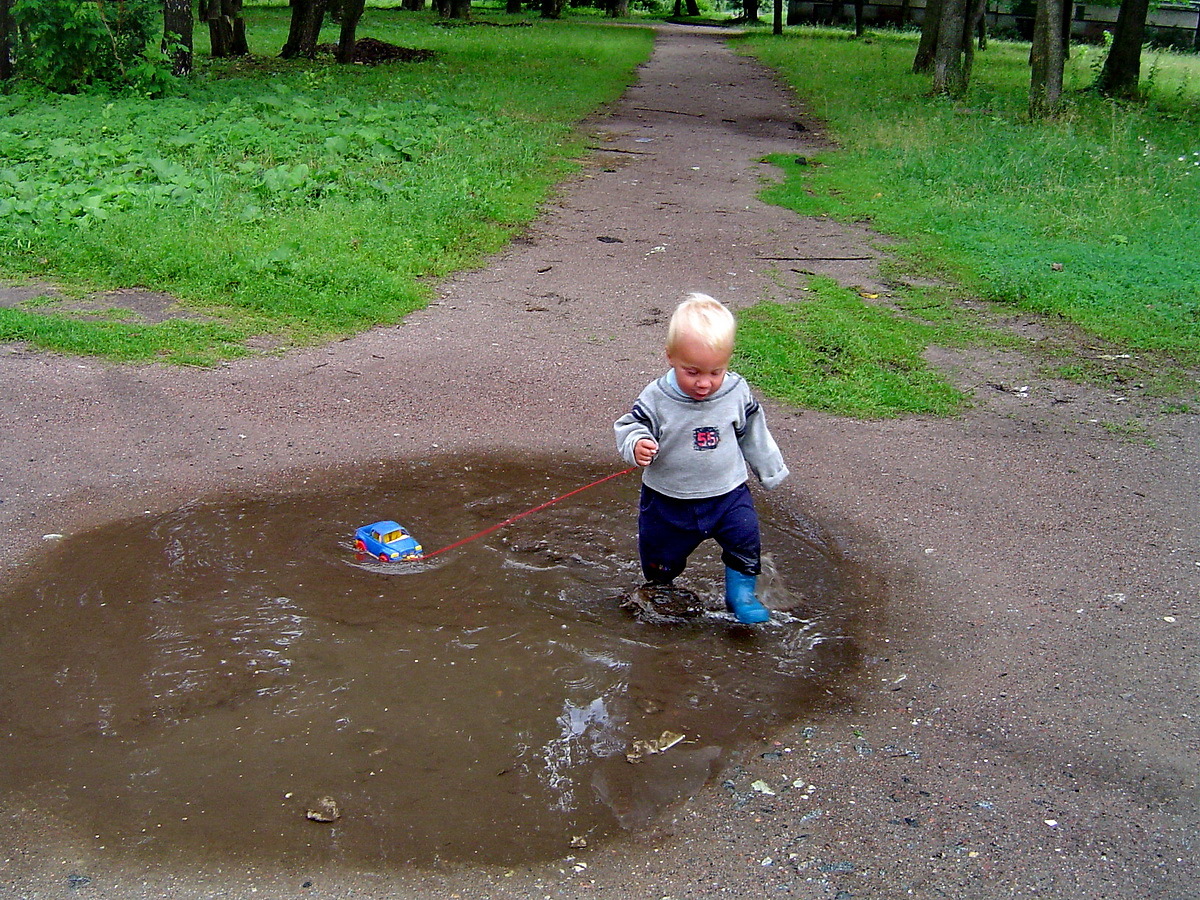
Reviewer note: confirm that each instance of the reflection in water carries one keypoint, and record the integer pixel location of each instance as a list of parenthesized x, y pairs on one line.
[(196, 681)]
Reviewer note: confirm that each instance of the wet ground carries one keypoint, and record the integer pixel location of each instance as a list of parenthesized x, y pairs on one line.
[(231, 680)]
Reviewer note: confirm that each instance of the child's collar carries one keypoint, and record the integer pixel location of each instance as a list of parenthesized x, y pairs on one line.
[(674, 388)]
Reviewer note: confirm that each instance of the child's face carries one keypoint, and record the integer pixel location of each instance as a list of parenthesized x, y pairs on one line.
[(700, 369)]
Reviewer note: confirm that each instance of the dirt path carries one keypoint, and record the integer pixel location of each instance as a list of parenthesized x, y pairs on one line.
[(1022, 724)]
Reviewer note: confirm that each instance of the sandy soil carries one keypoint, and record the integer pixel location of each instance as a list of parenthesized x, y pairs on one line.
[(1022, 723)]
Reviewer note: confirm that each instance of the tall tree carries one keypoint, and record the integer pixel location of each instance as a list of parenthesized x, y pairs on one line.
[(929, 37), (777, 18), (7, 30), (1047, 58), (947, 46), (352, 11), (305, 29), (178, 24), (233, 9), (1123, 68), (226, 27), (552, 9), (980, 19), (954, 52)]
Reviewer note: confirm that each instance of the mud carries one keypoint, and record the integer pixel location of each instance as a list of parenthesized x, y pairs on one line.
[(211, 682)]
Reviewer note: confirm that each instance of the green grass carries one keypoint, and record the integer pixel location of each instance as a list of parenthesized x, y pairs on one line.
[(293, 198), (836, 353), (1092, 219)]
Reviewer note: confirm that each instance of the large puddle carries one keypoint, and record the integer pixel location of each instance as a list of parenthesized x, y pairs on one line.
[(216, 680)]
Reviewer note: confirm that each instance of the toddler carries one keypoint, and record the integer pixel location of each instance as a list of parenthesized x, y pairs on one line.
[(694, 430)]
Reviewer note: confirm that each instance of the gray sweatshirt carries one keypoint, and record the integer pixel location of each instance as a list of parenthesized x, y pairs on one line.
[(703, 445)]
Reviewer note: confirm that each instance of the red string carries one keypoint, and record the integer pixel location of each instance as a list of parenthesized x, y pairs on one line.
[(527, 512)]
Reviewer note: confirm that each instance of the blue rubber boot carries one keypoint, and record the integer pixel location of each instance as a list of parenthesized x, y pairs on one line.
[(739, 597)]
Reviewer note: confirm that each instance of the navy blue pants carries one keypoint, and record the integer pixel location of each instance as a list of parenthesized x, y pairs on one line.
[(669, 530)]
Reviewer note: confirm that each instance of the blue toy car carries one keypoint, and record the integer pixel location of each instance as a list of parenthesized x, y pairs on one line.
[(387, 541)]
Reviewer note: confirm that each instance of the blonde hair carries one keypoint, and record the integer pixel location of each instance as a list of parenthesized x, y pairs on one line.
[(705, 318)]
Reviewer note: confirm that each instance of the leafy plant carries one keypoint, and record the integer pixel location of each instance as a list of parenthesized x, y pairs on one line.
[(67, 45)]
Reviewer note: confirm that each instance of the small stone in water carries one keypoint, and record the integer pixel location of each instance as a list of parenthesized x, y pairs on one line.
[(325, 810)]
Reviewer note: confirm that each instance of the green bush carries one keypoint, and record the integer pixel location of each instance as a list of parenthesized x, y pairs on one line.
[(67, 45)]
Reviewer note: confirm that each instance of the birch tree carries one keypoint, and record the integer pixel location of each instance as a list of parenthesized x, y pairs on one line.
[(178, 25)]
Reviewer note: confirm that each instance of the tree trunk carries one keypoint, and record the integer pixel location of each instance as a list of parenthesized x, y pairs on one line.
[(950, 72), (859, 10), (220, 30), (305, 29), (460, 9), (693, 8), (1047, 59), (1123, 68), (352, 11), (777, 20), (980, 20), (512, 7), (177, 35), (552, 9), (415, 5), (749, 10), (929, 37), (975, 10), (233, 10), (7, 29), (293, 38)]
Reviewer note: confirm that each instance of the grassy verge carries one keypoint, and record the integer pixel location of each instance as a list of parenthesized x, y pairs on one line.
[(296, 199), (831, 351), (1091, 220)]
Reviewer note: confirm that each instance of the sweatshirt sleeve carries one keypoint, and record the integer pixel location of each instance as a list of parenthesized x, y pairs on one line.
[(759, 448), (632, 427)]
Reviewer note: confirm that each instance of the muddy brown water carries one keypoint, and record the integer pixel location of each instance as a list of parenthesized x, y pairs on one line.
[(197, 682)]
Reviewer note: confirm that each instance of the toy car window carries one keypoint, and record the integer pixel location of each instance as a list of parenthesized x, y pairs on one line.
[(392, 536)]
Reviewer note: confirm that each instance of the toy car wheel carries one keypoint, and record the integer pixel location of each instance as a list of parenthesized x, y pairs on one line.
[(383, 557), (360, 546)]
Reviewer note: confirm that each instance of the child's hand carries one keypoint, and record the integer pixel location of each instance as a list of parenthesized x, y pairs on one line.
[(644, 452)]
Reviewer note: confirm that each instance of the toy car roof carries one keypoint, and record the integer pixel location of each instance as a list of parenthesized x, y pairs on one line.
[(386, 525)]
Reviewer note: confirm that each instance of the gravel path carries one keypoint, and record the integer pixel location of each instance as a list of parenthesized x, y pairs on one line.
[(1022, 721)]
